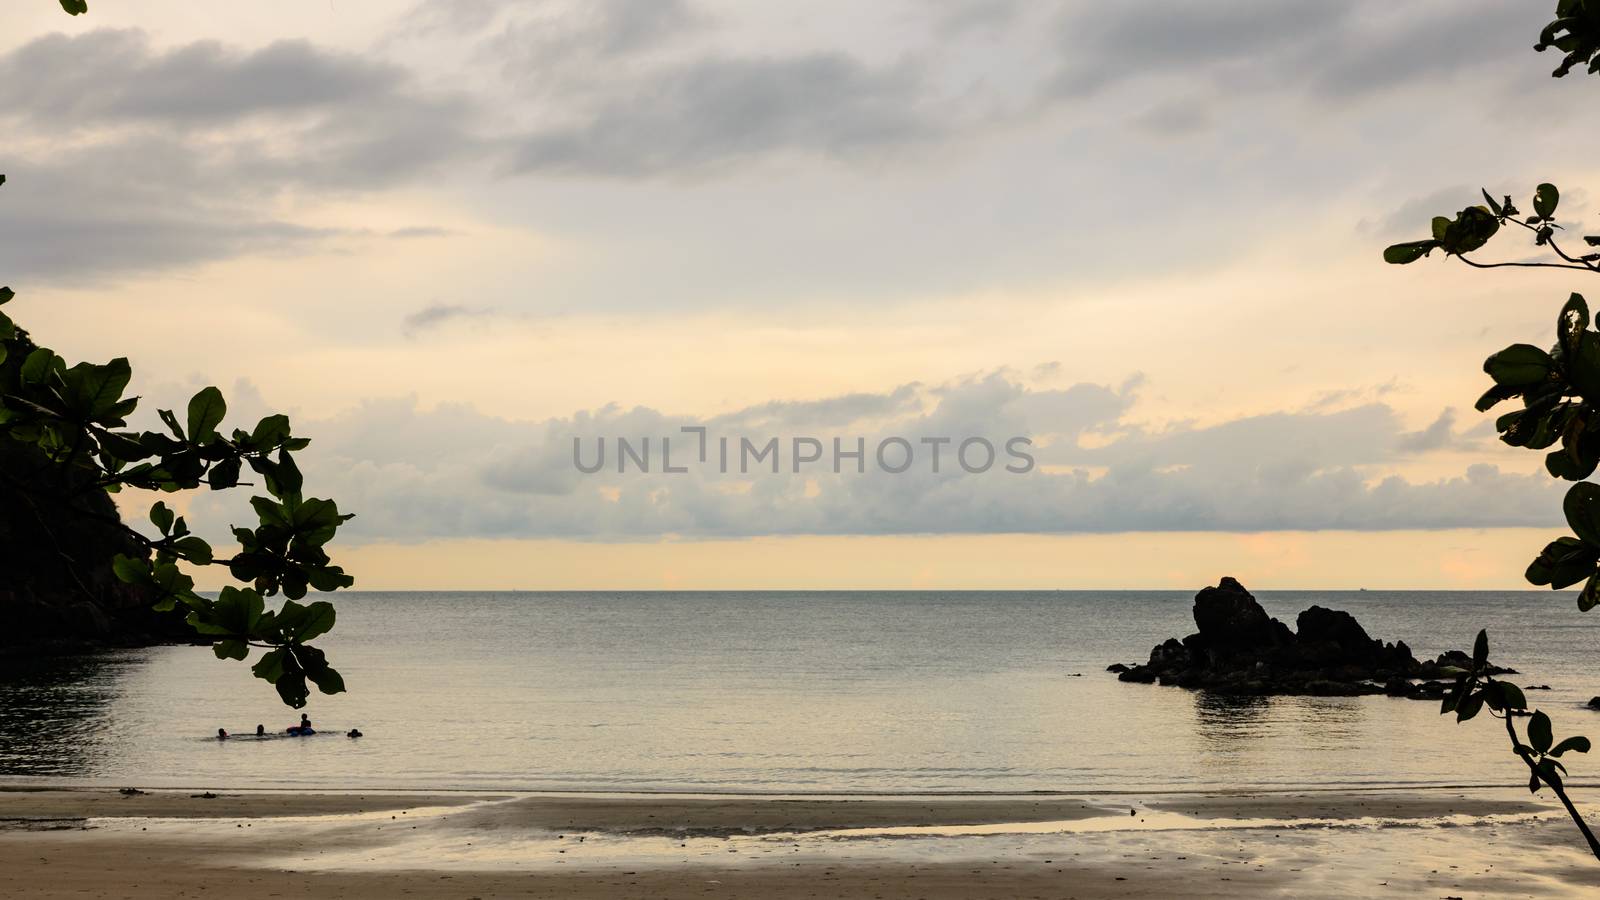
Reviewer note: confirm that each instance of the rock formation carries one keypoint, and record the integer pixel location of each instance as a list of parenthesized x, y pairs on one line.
[(1240, 649)]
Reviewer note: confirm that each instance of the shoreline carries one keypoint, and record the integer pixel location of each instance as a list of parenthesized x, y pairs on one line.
[(58, 841), (44, 783)]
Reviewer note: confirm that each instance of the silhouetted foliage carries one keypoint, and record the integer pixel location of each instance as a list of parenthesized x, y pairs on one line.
[(1560, 393), (73, 420), (1477, 688), (1575, 32)]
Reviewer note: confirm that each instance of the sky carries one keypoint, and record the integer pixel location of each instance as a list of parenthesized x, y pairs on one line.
[(451, 238)]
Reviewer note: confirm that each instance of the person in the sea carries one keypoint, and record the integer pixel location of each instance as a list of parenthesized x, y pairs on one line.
[(353, 733), (304, 728), (222, 734), (261, 731)]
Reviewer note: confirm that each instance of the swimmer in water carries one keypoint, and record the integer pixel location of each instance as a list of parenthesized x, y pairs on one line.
[(353, 733), (261, 731), (222, 734)]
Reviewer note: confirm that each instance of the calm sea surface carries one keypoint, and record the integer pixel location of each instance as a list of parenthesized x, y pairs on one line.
[(872, 692)]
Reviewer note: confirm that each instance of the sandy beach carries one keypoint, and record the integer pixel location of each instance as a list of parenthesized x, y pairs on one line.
[(1437, 843)]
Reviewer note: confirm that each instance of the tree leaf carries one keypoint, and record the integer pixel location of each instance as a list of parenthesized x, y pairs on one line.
[(171, 423), (1519, 365), (94, 392), (1409, 252), (1582, 509), (1494, 395), (206, 409), (1577, 744), (194, 549), (1589, 597), (1563, 563), (161, 517), (1539, 732), (224, 475), (1472, 228), (315, 665), (1505, 695), (1545, 198), (300, 623), (327, 680), (270, 432), (130, 570), (1571, 323), (238, 610), (38, 365), (319, 619), (1583, 365), (230, 649), (292, 688), (1560, 464), (1547, 772), (270, 666)]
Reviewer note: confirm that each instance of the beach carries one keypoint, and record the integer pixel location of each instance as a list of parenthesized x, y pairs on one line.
[(75, 842), (802, 745)]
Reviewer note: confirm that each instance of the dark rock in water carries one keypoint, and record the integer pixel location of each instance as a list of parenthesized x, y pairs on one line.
[(1239, 649), (1229, 618), (1458, 659), (1333, 627)]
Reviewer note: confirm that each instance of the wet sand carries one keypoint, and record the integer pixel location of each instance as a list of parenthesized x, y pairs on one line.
[(27, 803), (77, 843)]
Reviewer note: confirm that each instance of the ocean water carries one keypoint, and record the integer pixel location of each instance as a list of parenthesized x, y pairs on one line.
[(876, 692)]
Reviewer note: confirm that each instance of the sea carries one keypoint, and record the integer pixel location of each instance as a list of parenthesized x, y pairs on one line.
[(916, 692)]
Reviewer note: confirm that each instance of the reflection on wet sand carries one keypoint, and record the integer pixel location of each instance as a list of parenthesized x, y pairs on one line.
[(1332, 844)]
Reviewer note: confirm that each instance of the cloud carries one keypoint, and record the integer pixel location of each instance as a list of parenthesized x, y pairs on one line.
[(125, 156), (957, 17), (1434, 43), (437, 314), (1322, 50), (147, 156), (1103, 45), (635, 88), (414, 474), (1174, 119), (720, 110), (90, 211), (1412, 216), (107, 76), (1439, 435), (600, 27)]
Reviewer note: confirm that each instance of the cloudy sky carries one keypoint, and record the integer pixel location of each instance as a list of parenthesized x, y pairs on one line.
[(451, 237)]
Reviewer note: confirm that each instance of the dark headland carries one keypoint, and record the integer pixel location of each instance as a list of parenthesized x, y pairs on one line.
[(1239, 649)]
